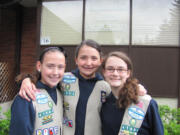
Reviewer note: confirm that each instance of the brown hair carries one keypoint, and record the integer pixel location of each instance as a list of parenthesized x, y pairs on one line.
[(129, 92), (90, 43), (36, 75)]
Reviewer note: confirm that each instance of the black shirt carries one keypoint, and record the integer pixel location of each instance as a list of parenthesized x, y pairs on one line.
[(112, 117)]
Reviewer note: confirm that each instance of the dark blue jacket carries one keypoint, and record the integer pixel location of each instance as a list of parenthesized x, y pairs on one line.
[(23, 114), (112, 117)]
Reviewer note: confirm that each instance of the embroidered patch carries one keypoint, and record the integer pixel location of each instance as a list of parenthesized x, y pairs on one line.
[(68, 93), (41, 98), (67, 122), (132, 122), (66, 105), (136, 113), (45, 113), (50, 104), (67, 86), (47, 119), (103, 96), (69, 79), (47, 131), (128, 130)]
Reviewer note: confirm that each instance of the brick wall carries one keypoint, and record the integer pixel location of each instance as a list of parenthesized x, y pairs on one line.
[(10, 18), (7, 53), (29, 40)]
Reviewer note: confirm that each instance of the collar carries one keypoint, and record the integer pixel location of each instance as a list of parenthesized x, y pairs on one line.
[(41, 85)]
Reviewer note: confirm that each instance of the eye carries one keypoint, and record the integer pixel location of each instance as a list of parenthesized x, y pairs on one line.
[(83, 57), (61, 67), (94, 58)]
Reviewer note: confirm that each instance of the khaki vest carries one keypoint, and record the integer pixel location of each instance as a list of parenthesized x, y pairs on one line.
[(49, 116), (71, 96), (134, 116)]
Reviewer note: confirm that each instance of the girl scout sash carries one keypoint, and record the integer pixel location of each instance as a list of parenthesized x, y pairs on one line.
[(134, 116)]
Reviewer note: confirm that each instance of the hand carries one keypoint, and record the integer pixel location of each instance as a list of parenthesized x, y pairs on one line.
[(27, 90), (142, 90)]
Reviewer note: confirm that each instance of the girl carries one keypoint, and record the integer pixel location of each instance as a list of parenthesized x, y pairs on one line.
[(44, 115), (84, 91), (124, 112)]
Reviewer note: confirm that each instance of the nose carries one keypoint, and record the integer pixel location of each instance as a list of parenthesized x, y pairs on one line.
[(55, 70), (89, 61), (115, 72)]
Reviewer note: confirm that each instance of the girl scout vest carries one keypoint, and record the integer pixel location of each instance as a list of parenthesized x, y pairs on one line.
[(48, 119), (71, 96), (134, 116)]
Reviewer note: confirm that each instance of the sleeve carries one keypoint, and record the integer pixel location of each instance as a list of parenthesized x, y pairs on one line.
[(22, 117), (155, 120)]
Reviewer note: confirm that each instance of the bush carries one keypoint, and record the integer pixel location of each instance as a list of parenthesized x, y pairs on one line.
[(4, 122), (171, 120)]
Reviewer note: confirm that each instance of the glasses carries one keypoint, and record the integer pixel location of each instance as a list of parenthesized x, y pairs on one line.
[(119, 70)]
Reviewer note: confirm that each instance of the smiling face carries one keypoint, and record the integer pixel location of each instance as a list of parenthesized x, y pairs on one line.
[(52, 68), (116, 72), (88, 61)]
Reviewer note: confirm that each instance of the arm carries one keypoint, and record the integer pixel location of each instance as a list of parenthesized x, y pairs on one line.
[(157, 126), (22, 117), (27, 89)]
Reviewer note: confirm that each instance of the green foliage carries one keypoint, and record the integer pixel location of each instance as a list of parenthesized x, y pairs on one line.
[(5, 122), (171, 120)]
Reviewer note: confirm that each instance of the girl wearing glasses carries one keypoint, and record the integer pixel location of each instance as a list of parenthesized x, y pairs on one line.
[(84, 91), (124, 112)]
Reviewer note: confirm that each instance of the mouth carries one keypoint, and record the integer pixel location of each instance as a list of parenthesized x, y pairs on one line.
[(88, 68)]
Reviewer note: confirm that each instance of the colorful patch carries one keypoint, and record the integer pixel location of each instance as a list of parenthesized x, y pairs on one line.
[(45, 113), (47, 131), (136, 113), (50, 104), (128, 130), (69, 79), (47, 119), (41, 98), (132, 122), (67, 122), (66, 105), (68, 93), (67, 86), (103, 96)]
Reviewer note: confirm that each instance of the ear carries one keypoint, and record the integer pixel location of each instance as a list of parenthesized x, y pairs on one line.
[(38, 66)]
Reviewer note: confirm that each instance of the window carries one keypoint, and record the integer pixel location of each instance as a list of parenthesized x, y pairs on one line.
[(107, 21), (154, 22), (61, 22)]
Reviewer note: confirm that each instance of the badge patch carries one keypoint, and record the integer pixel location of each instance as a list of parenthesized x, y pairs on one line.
[(66, 105), (103, 96), (68, 93), (67, 122), (47, 131), (69, 79), (136, 113), (128, 130), (45, 113), (41, 99)]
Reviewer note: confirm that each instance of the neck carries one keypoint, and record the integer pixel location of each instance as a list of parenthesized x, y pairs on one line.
[(115, 91), (87, 77)]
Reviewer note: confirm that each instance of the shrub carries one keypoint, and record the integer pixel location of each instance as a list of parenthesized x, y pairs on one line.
[(171, 120), (4, 122)]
